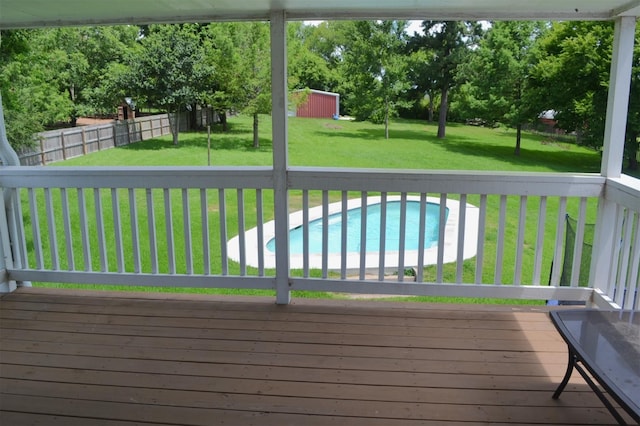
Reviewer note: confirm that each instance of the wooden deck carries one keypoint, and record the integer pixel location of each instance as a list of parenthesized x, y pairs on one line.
[(96, 358)]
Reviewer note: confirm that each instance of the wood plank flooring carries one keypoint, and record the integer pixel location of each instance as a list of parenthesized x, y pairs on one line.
[(101, 358)]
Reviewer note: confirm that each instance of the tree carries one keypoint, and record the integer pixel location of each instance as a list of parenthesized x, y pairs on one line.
[(28, 81), (105, 49), (20, 126), (168, 70), (375, 70), (224, 88), (306, 67), (424, 84), (254, 72), (446, 44), (498, 75), (572, 74)]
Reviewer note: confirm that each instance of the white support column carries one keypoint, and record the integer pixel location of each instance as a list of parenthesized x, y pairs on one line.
[(618, 101), (9, 256), (280, 152), (7, 154), (613, 149)]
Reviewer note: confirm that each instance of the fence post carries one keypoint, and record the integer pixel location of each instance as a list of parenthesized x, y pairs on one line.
[(98, 137), (43, 159), (84, 142), (115, 138), (64, 147)]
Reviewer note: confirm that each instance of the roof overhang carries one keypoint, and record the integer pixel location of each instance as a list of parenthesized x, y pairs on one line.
[(41, 13)]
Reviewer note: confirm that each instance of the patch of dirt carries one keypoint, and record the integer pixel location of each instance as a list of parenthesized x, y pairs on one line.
[(87, 121), (556, 143), (333, 126)]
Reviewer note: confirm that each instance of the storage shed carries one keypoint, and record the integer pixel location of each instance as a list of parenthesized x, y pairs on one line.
[(319, 104)]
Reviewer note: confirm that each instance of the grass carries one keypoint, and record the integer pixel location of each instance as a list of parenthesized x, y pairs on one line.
[(414, 145), (329, 143)]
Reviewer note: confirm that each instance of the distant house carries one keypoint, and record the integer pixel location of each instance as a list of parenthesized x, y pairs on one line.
[(319, 104), (548, 123)]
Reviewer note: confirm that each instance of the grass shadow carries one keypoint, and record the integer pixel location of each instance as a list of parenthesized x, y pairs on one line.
[(376, 134), (560, 161), (230, 141)]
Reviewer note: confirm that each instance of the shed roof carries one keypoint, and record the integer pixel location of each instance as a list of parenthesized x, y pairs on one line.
[(320, 92), (38, 13)]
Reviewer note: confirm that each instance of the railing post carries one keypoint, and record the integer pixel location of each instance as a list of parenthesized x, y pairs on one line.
[(613, 149), (280, 161)]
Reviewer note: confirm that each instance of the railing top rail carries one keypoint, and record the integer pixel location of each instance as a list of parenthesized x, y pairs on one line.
[(624, 190), (136, 177), (470, 182), (448, 181)]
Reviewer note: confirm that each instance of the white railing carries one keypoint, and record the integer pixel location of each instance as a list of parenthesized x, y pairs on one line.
[(130, 226), (615, 270), (520, 231), (170, 227)]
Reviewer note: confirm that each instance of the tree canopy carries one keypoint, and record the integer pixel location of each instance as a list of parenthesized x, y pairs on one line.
[(497, 76), (375, 70), (505, 73)]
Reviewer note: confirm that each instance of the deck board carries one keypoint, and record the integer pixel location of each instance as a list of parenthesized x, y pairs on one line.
[(82, 357)]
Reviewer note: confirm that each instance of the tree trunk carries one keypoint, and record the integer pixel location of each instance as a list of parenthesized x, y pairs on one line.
[(518, 139), (72, 96), (223, 120), (442, 119), (430, 118), (175, 128), (193, 118), (386, 119), (256, 141)]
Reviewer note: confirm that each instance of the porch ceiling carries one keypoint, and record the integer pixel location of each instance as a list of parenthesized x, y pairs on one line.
[(37, 13)]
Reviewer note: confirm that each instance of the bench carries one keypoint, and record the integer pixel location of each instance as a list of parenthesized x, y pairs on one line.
[(606, 344)]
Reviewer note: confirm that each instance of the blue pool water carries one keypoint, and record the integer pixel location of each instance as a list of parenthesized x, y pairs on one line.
[(392, 235)]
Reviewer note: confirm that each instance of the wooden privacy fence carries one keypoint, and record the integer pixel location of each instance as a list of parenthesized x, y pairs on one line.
[(62, 144)]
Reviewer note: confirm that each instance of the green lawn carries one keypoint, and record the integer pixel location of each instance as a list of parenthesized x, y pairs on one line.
[(330, 143)]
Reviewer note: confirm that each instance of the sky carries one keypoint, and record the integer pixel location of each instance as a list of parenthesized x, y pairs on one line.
[(414, 26)]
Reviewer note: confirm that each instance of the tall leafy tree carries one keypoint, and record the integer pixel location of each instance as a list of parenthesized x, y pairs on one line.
[(168, 70), (86, 58), (63, 47), (105, 49), (572, 75), (498, 75), (306, 67), (446, 46), (375, 70), (20, 125), (423, 86), (223, 57), (31, 94), (254, 72)]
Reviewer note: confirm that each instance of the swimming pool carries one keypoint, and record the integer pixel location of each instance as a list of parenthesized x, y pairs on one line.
[(354, 229), (372, 257)]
